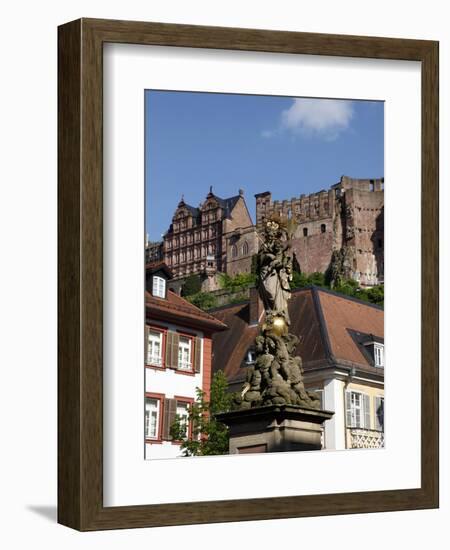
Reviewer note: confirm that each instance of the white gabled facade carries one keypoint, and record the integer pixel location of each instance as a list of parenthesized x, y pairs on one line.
[(177, 361), (170, 389)]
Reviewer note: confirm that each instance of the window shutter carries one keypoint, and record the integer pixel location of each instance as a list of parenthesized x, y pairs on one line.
[(170, 412), (147, 331), (172, 343), (348, 408), (197, 353), (366, 401)]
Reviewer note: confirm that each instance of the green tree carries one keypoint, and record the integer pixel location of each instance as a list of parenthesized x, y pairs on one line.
[(203, 300), (208, 436), (192, 285), (238, 282)]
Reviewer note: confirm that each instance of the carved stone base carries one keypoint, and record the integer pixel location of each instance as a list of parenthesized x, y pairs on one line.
[(275, 428)]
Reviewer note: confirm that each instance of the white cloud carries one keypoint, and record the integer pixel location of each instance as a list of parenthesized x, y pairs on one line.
[(322, 117), (267, 133)]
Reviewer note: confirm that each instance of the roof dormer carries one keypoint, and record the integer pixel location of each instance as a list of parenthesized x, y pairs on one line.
[(156, 277)]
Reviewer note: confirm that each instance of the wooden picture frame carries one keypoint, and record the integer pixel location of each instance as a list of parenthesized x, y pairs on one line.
[(80, 272)]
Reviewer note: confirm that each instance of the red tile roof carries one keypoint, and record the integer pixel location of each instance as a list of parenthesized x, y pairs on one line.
[(320, 318), (156, 266), (341, 314), (180, 310)]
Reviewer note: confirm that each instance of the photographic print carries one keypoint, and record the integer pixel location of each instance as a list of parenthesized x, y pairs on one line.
[(264, 252)]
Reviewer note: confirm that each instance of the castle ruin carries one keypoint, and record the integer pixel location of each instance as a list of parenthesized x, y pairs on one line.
[(340, 231)]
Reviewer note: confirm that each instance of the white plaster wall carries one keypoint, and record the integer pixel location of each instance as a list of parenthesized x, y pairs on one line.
[(333, 397), (169, 381)]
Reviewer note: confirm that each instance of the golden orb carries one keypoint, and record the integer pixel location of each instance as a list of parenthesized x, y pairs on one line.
[(279, 325)]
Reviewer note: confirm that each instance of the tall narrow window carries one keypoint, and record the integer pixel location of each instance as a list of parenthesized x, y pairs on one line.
[(159, 287), (185, 353), (245, 249), (152, 416), (379, 413), (183, 417), (305, 231), (234, 251), (358, 410), (378, 352), (323, 228), (154, 349)]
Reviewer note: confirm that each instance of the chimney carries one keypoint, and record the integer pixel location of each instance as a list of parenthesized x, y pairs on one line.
[(256, 308)]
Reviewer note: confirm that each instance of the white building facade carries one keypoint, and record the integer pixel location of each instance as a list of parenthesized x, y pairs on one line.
[(177, 362)]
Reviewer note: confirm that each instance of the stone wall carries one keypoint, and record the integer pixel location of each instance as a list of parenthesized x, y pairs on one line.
[(347, 218)]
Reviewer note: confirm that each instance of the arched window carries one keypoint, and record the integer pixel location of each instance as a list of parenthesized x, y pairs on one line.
[(234, 251), (245, 249), (305, 231), (323, 228)]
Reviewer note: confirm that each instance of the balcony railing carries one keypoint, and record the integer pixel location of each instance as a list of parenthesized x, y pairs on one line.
[(362, 438), (184, 365)]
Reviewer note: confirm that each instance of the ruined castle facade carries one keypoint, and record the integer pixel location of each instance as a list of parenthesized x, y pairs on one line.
[(340, 231)]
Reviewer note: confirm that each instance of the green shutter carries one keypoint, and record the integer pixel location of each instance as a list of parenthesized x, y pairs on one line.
[(170, 412), (197, 353)]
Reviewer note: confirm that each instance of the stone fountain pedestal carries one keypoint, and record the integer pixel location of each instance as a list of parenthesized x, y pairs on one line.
[(275, 428)]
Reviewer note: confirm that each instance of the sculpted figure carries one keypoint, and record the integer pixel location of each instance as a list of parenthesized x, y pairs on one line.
[(275, 269), (277, 375)]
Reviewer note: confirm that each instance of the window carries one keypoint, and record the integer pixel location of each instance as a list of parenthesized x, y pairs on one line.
[(379, 413), (245, 249), (305, 231), (154, 350), (152, 417), (159, 287), (250, 357), (378, 353), (234, 251), (185, 353), (183, 416), (358, 410), (323, 228)]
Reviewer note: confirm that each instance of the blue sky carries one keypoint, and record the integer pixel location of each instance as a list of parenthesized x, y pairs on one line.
[(288, 146)]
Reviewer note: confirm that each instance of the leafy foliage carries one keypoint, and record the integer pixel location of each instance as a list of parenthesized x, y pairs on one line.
[(203, 300), (238, 282), (192, 285), (300, 280), (349, 287), (208, 436)]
